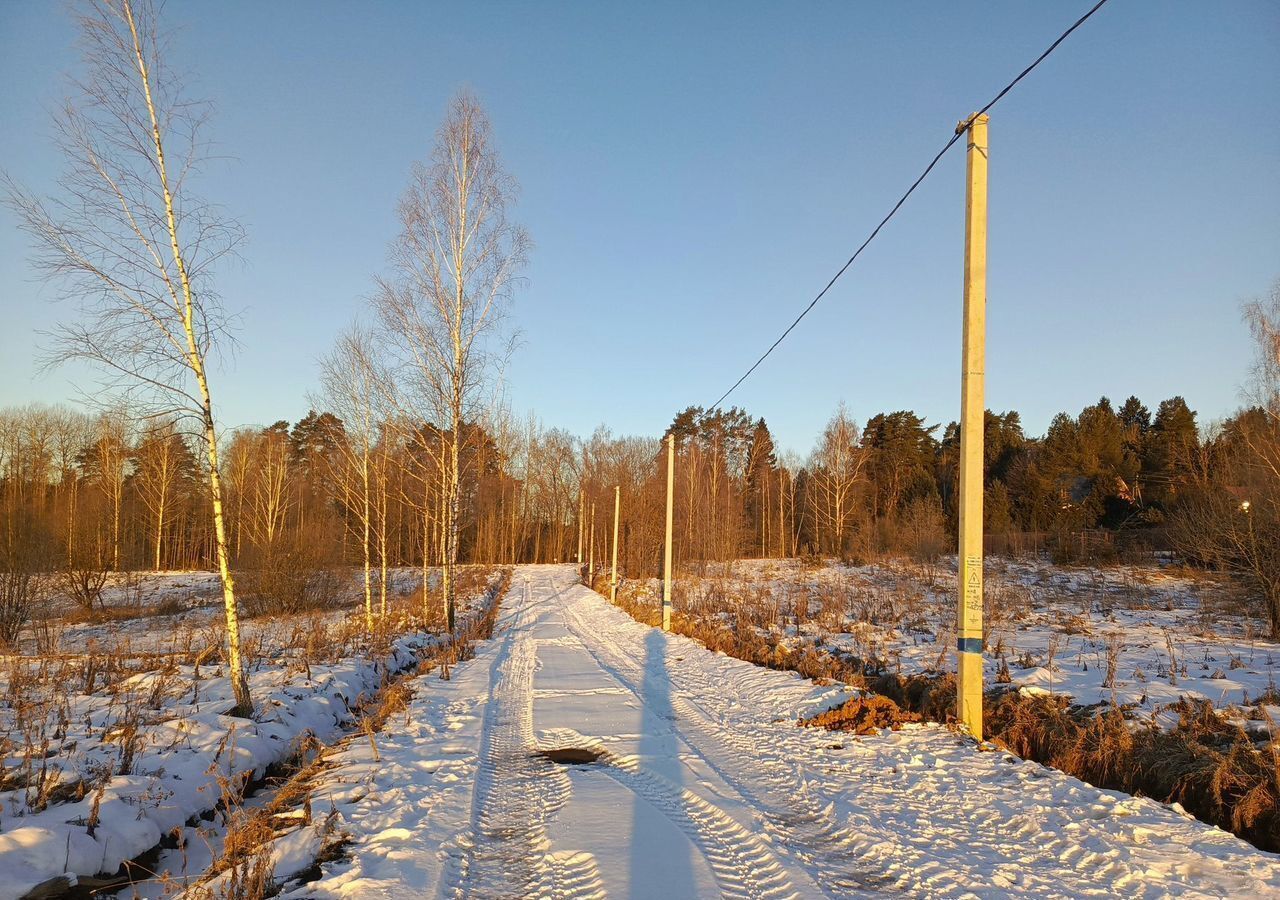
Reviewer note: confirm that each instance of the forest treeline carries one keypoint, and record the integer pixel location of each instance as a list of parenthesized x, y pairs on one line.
[(408, 463), (81, 489), (97, 492)]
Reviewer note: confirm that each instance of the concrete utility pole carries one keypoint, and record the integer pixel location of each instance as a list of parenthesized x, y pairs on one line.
[(617, 509), (972, 422), (591, 552), (666, 566), (581, 502)]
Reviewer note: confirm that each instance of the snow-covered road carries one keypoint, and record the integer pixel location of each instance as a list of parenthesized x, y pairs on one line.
[(704, 786)]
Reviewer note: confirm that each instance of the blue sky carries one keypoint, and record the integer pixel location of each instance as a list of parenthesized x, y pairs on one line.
[(693, 173)]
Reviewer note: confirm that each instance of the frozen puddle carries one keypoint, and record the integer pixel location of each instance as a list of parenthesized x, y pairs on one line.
[(583, 755)]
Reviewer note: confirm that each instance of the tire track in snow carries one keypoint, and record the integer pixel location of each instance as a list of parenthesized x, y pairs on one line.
[(743, 866), (516, 792), (910, 864), (805, 825), (576, 875), (793, 812), (776, 789)]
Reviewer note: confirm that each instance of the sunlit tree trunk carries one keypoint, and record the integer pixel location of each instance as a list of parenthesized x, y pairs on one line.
[(195, 356), (457, 259), (114, 238)]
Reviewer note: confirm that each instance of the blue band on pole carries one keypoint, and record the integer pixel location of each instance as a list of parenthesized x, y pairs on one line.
[(969, 645)]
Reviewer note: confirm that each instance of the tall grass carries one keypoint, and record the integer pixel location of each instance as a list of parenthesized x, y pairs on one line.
[(1212, 768)]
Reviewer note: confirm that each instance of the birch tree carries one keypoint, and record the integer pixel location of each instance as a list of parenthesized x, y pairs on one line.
[(837, 467), (454, 266), (129, 238), (272, 491), (71, 432), (162, 464), (418, 486), (105, 463), (1238, 530), (382, 488), (354, 389)]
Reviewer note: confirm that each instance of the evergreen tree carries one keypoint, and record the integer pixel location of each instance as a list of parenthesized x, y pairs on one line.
[(997, 511), (901, 462), (762, 487), (762, 458), (1134, 415), (1170, 450)]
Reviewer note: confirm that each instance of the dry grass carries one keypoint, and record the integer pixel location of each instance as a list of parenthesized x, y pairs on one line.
[(1214, 769), (1208, 765), (864, 714), (50, 758), (748, 631)]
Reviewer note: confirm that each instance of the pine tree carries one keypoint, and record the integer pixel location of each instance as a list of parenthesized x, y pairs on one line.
[(1170, 449), (762, 486)]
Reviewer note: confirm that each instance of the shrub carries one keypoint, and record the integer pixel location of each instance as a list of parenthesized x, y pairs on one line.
[(922, 531), (17, 595), (287, 580), (83, 583)]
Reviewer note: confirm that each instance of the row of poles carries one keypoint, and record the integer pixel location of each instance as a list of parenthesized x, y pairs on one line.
[(591, 565), (617, 511), (972, 414)]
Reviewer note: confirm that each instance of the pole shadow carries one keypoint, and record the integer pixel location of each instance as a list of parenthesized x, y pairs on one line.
[(654, 870)]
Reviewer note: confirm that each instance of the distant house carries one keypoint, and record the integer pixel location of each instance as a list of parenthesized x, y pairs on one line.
[(1242, 495), (1074, 490)]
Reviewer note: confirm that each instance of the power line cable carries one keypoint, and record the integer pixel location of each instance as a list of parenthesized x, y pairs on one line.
[(960, 130)]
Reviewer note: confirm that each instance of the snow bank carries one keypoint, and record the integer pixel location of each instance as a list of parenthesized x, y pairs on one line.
[(184, 762), (703, 769)]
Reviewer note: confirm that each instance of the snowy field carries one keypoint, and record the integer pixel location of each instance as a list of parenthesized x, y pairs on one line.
[(158, 612), (1141, 637), (582, 754), (692, 779), (115, 735)]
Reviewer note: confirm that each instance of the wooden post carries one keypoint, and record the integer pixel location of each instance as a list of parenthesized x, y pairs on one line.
[(666, 566), (617, 509), (972, 422)]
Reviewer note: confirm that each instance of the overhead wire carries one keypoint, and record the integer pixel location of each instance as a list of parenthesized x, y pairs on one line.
[(960, 130)]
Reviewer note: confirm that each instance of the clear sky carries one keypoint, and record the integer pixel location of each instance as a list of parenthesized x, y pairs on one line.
[(694, 172)]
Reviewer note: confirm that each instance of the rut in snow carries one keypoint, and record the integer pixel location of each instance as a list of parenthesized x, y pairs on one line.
[(780, 795), (519, 790), (516, 792)]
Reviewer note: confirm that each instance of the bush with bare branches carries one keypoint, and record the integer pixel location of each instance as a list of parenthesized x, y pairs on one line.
[(83, 584), (282, 580)]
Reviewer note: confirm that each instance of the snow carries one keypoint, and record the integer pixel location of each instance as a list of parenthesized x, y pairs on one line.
[(704, 785), (1173, 634), (186, 745), (179, 766), (183, 603)]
